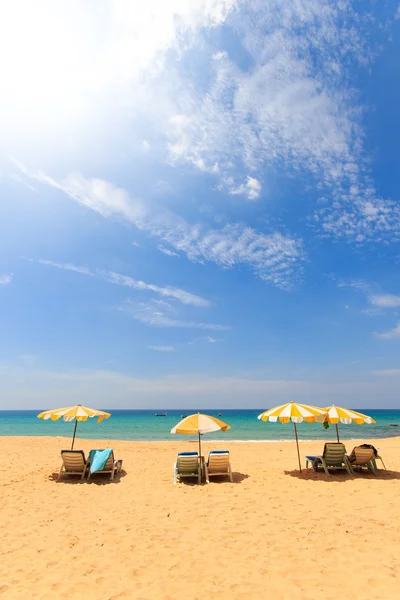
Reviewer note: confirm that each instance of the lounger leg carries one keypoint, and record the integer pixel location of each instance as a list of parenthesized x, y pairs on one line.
[(349, 468), (112, 472), (199, 476), (381, 459), (175, 474), (230, 473), (325, 467), (207, 476), (60, 473)]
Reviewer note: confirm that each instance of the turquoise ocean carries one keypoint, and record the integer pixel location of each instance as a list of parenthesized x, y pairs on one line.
[(144, 425)]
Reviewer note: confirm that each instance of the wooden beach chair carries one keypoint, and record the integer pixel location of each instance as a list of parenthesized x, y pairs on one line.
[(112, 466), (218, 464), (333, 457), (187, 465), (74, 463), (362, 457)]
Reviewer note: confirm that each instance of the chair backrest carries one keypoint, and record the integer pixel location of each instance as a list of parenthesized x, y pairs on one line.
[(363, 455), (334, 453), (110, 460), (187, 462), (218, 460), (74, 460)]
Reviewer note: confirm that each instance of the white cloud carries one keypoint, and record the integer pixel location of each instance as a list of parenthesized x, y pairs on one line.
[(5, 279), (146, 146), (162, 348), (167, 251), (164, 291), (283, 102), (251, 188), (389, 335), (205, 338), (163, 315), (385, 300), (274, 257), (136, 244), (397, 14), (376, 299)]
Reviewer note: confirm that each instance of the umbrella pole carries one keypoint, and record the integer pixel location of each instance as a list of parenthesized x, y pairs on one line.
[(337, 433), (297, 444), (73, 439), (199, 445)]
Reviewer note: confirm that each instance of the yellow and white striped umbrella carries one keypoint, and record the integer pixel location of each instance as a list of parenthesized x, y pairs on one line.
[(334, 414), (297, 413), (78, 412), (292, 411), (199, 424)]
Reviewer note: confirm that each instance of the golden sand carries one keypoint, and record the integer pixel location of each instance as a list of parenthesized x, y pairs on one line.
[(273, 533)]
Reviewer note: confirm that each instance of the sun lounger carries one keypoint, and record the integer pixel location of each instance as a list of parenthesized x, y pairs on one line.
[(362, 457), (334, 456), (108, 464), (74, 463), (187, 465), (218, 464)]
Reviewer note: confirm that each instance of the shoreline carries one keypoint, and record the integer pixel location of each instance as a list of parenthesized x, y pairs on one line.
[(208, 440)]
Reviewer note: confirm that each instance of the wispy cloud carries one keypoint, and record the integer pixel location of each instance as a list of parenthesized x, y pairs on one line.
[(162, 314), (385, 300), (167, 251), (274, 257), (391, 334), (205, 338), (111, 277), (162, 348), (5, 279), (375, 298)]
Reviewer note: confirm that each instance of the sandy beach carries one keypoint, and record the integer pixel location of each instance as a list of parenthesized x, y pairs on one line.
[(272, 533)]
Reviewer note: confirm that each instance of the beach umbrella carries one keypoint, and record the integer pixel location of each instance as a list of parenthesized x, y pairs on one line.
[(334, 414), (199, 424), (78, 412), (297, 413)]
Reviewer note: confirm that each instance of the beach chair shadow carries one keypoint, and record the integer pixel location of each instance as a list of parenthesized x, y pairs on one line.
[(96, 481), (310, 475), (236, 478)]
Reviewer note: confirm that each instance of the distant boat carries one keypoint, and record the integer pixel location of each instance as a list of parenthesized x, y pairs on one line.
[(183, 416), (393, 425), (220, 414), (160, 414)]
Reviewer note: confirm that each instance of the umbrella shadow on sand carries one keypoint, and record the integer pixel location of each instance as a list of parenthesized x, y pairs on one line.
[(100, 480), (310, 475)]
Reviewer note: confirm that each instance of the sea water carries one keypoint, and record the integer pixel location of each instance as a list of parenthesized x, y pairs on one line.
[(146, 426)]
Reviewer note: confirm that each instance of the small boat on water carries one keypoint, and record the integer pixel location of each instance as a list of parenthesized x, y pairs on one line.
[(393, 425), (160, 414), (220, 414), (183, 416)]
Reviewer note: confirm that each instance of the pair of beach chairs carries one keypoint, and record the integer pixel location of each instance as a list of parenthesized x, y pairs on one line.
[(74, 462), (334, 457), (189, 464)]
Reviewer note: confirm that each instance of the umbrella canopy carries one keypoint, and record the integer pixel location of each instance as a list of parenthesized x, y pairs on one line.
[(199, 424), (78, 412), (297, 413), (334, 414)]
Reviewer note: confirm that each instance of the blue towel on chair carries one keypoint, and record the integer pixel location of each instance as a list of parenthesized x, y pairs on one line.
[(98, 459)]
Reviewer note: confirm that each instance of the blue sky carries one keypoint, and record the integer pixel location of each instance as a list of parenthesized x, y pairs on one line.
[(199, 203)]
